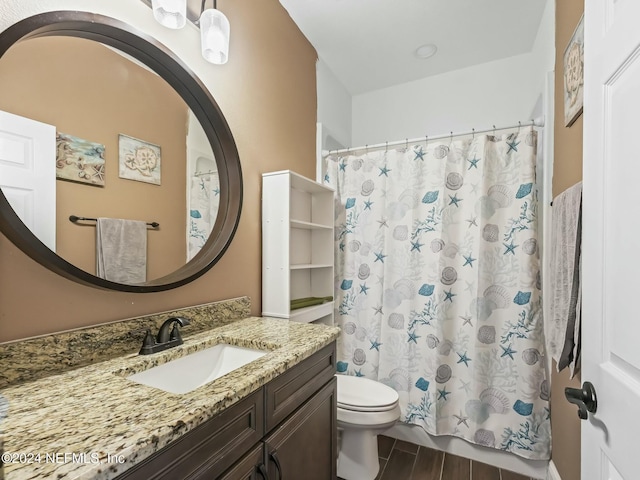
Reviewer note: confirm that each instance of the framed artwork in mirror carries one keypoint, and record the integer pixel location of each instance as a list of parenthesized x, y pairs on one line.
[(574, 75), (79, 160), (139, 160)]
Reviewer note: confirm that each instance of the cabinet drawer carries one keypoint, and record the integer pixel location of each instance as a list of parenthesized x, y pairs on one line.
[(291, 389), (209, 449)]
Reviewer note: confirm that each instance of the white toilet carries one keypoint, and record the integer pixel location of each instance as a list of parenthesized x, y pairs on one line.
[(365, 409)]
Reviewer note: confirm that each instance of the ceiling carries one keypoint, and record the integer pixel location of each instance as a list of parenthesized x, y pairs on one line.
[(370, 44)]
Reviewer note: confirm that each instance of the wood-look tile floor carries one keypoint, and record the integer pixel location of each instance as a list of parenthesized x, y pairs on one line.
[(400, 460)]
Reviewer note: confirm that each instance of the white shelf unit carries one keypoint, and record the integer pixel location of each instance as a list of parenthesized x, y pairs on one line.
[(297, 246)]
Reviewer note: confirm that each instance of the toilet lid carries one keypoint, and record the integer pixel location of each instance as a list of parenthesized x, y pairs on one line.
[(359, 393)]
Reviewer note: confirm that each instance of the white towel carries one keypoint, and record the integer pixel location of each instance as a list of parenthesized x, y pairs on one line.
[(121, 250), (562, 329)]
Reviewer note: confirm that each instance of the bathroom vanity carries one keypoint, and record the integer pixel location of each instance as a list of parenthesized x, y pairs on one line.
[(274, 418), (257, 437)]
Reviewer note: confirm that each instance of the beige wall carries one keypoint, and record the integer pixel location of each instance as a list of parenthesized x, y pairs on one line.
[(267, 92), (95, 94), (567, 171)]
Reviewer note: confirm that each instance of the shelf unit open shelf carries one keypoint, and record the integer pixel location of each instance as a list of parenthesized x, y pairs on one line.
[(309, 225), (297, 246)]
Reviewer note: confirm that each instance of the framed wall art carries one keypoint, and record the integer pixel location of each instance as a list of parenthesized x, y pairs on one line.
[(139, 160), (574, 75), (79, 160)]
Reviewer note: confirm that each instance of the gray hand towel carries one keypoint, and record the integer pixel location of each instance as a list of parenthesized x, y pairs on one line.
[(121, 250), (562, 329)]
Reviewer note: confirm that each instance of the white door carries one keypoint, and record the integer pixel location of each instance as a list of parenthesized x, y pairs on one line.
[(611, 239), (28, 173)]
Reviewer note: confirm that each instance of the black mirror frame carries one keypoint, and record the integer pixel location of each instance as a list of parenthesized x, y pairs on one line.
[(149, 51)]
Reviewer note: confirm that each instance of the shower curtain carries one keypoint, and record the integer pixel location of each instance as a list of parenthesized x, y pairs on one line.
[(204, 199), (438, 285)]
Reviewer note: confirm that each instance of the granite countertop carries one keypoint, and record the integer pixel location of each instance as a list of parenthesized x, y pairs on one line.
[(93, 423)]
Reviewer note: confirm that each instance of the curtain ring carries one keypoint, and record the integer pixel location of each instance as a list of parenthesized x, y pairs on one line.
[(386, 146), (366, 149), (406, 144), (473, 133), (426, 141), (494, 130), (519, 125)]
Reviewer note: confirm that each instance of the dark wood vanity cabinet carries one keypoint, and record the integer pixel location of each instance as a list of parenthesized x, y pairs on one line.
[(301, 448), (286, 430)]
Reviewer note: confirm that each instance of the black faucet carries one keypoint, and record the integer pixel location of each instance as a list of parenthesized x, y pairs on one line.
[(166, 338)]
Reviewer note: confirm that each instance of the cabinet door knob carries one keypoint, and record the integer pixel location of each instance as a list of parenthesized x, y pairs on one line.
[(585, 398), (273, 455)]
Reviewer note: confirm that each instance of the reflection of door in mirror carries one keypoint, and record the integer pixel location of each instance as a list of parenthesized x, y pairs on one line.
[(27, 173), (94, 93)]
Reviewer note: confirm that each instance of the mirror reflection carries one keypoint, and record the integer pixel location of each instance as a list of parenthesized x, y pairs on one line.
[(125, 146)]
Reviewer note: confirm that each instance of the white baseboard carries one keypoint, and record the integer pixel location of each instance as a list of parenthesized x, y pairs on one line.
[(552, 473)]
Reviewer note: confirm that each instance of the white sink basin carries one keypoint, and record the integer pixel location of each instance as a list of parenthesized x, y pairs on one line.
[(187, 373)]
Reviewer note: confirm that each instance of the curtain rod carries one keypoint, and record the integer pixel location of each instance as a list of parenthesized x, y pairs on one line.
[(536, 122), (75, 219), (210, 172)]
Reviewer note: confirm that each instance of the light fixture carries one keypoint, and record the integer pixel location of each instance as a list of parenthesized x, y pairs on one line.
[(426, 51), (213, 24), (170, 13), (214, 34)]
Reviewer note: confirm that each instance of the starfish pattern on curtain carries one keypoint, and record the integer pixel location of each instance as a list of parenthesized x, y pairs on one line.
[(438, 289), (204, 193)]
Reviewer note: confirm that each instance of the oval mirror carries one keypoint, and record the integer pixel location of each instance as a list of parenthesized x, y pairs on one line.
[(137, 136)]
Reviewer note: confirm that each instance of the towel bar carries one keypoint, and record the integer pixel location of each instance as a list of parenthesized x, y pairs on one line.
[(75, 219)]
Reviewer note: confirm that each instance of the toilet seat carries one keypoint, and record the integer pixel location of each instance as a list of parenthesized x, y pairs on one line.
[(359, 394)]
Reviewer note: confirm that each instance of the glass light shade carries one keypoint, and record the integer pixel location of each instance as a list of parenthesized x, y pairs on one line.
[(170, 13), (214, 36)]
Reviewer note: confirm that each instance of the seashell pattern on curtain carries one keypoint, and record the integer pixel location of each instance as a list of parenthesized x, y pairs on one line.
[(204, 200), (441, 298)]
